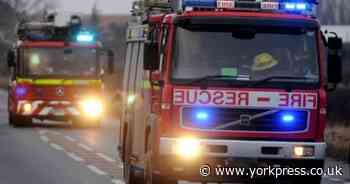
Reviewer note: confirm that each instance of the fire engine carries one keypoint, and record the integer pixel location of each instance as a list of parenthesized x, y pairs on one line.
[(56, 73), (225, 83)]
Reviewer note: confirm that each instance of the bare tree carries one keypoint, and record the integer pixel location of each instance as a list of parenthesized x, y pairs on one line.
[(30, 8), (95, 17), (334, 12), (14, 11)]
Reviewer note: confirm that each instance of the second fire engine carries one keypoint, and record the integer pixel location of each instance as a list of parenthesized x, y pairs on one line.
[(57, 73), (225, 83)]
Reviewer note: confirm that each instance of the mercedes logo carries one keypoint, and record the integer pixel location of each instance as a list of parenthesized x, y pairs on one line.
[(245, 120), (60, 91)]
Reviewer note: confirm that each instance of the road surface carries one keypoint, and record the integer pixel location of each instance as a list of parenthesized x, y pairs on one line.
[(61, 155)]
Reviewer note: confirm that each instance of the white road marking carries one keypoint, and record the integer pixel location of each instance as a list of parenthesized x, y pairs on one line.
[(117, 181), (87, 148), (96, 170), (44, 138), (42, 132), (334, 179), (107, 158), (55, 132), (56, 146), (75, 157), (69, 138)]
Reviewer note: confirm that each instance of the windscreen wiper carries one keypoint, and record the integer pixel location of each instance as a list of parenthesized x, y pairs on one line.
[(212, 77), (257, 83)]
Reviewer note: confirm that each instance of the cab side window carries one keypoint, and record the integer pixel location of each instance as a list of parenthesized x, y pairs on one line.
[(154, 37), (163, 44)]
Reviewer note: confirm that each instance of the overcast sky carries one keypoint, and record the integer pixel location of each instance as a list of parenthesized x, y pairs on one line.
[(105, 6)]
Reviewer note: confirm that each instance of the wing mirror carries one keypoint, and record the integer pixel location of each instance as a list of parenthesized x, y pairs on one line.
[(151, 54), (11, 59), (110, 55), (334, 63)]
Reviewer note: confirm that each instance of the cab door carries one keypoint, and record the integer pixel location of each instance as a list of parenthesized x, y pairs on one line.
[(133, 105)]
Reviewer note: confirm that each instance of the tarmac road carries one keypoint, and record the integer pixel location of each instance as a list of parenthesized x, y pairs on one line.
[(62, 155)]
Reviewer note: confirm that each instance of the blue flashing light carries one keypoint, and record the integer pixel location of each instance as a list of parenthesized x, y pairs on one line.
[(200, 3), (21, 91), (301, 6), (294, 6), (85, 37), (288, 118), (290, 6), (202, 116)]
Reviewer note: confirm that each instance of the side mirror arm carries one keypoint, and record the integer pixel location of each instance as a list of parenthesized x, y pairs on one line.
[(111, 65), (11, 59)]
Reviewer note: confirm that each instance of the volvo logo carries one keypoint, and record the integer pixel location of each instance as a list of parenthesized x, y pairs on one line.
[(245, 119), (60, 91)]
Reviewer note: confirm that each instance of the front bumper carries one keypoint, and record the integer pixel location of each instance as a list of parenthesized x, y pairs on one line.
[(249, 149), (238, 154), (48, 108), (60, 110)]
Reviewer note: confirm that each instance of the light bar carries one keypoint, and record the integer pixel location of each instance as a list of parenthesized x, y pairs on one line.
[(202, 116), (296, 6), (289, 6), (199, 3), (85, 37)]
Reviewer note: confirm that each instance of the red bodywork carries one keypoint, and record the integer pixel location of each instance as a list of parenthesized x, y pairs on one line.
[(170, 116), (45, 95)]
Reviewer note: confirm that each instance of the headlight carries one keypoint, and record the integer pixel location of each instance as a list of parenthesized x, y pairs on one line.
[(27, 107), (131, 99), (304, 151), (188, 148), (92, 107)]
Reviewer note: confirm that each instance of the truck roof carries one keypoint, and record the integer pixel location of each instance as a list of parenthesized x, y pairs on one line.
[(279, 9), (260, 15), (170, 18), (55, 44)]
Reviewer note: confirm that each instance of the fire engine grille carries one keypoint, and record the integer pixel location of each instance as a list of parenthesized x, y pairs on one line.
[(258, 120)]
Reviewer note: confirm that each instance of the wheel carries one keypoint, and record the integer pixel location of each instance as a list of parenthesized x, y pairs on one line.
[(149, 177), (130, 176), (10, 119), (20, 121)]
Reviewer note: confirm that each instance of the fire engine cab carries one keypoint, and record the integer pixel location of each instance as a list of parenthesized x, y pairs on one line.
[(56, 73), (225, 83)]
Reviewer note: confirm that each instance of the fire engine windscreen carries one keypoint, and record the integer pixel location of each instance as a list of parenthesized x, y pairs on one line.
[(60, 62), (245, 54)]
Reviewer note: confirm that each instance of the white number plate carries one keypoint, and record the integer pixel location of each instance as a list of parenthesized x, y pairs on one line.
[(226, 4), (270, 5)]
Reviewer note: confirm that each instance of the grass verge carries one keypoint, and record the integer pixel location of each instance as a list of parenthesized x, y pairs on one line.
[(338, 141)]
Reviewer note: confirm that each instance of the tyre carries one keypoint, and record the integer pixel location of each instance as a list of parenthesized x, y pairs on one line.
[(149, 177), (20, 121), (130, 176), (10, 119)]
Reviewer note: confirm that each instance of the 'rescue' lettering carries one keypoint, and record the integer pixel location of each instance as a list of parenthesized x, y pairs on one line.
[(227, 98)]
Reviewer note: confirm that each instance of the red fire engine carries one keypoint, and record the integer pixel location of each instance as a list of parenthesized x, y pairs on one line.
[(225, 83), (56, 73)]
